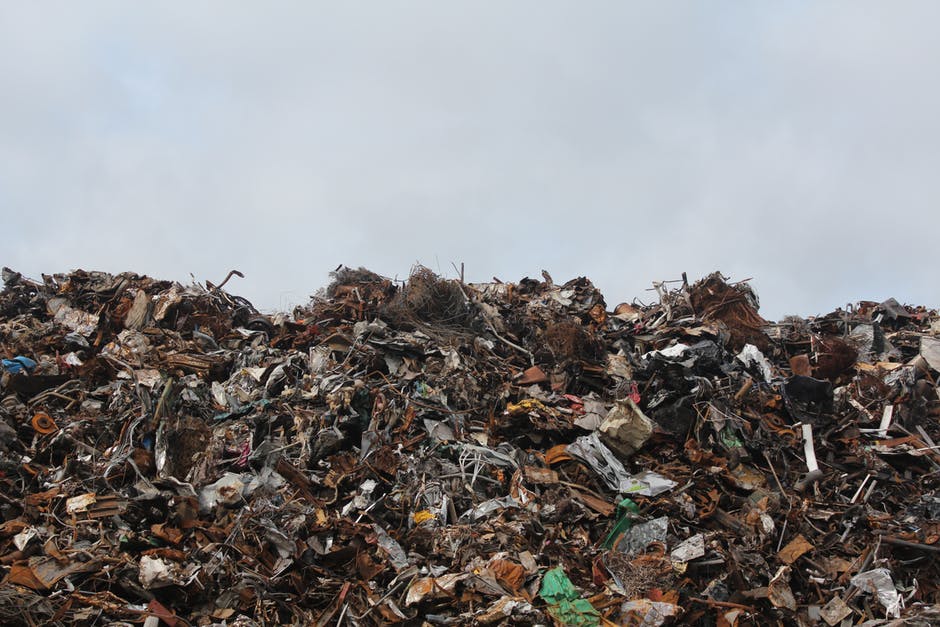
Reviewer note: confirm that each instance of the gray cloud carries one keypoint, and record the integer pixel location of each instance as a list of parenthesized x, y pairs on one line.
[(796, 144)]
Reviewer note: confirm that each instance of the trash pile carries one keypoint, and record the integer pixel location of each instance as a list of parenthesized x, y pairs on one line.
[(432, 452)]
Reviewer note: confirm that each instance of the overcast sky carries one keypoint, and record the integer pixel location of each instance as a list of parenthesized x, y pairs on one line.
[(797, 143)]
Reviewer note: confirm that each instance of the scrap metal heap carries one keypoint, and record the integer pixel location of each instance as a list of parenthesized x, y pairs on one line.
[(433, 452)]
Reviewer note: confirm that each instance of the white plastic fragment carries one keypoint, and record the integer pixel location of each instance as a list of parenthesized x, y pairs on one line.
[(226, 491), (590, 450), (218, 394), (451, 360), (72, 359), (363, 497), (751, 355), (650, 483), (676, 350), (155, 572), (886, 417), (808, 449), (879, 583)]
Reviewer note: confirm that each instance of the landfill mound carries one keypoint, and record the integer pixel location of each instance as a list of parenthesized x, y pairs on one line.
[(432, 452)]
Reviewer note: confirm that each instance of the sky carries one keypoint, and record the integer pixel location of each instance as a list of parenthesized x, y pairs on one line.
[(794, 143)]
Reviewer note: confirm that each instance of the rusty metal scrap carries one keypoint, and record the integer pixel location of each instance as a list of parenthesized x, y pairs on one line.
[(434, 452)]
